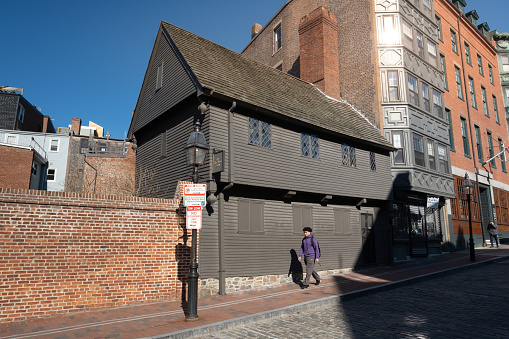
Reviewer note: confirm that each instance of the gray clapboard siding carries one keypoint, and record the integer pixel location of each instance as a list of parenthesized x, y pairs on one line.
[(167, 171), (269, 253), (326, 175), (176, 84)]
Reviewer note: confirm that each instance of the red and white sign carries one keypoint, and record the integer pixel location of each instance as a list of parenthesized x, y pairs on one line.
[(193, 217), (195, 189), (194, 195)]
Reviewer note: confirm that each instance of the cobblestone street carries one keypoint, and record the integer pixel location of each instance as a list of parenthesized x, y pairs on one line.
[(469, 304)]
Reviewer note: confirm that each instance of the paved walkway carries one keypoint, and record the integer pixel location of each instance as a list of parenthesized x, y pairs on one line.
[(166, 319)]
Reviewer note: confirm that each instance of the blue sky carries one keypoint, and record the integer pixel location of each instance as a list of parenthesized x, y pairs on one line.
[(87, 59)]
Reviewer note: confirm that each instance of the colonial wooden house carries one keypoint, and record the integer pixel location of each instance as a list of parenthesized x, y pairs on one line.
[(293, 157)]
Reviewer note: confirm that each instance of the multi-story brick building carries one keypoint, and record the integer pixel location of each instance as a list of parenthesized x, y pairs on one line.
[(478, 128), (384, 56), (502, 45)]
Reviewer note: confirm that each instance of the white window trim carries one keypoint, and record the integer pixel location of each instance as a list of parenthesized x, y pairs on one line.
[(58, 145), (54, 175), (274, 37)]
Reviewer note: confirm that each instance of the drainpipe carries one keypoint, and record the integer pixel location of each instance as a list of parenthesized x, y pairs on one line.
[(470, 127), (95, 175), (231, 178)]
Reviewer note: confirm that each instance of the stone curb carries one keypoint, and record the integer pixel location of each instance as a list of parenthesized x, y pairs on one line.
[(232, 323)]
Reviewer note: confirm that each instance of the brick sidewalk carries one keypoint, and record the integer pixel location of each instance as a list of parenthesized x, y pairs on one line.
[(166, 319)]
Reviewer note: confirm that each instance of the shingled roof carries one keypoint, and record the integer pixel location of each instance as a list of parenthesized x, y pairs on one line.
[(236, 76)]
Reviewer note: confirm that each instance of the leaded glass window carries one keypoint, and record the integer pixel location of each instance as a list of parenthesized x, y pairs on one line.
[(309, 145), (266, 135), (304, 144), (345, 155), (254, 131), (353, 158), (372, 160), (260, 133), (315, 150)]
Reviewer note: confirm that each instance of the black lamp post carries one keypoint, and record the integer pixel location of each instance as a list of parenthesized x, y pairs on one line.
[(196, 151), (468, 189)]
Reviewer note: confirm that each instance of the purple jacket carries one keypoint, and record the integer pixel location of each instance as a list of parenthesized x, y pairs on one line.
[(307, 249)]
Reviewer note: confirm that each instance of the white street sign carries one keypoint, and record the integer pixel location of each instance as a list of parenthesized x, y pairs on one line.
[(195, 189), (193, 217), (198, 200)]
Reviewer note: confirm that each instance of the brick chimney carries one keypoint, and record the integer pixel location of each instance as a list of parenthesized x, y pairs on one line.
[(319, 56), (76, 126), (45, 120), (255, 30)]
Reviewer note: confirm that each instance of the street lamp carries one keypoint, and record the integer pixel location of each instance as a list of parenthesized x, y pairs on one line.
[(196, 151), (468, 189)]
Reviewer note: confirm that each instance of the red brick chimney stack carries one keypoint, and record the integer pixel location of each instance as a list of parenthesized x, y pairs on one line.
[(76, 126), (255, 30), (319, 58), (45, 120)]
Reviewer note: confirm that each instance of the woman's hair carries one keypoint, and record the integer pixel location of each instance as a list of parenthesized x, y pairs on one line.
[(307, 229)]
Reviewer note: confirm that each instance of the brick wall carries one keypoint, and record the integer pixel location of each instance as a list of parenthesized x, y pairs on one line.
[(15, 167), (104, 175), (63, 252), (100, 174)]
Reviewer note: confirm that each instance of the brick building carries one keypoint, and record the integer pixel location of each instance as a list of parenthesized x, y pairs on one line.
[(478, 128), (99, 164), (16, 166)]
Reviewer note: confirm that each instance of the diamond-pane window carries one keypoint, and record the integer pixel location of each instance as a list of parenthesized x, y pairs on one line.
[(254, 133), (266, 135), (304, 144), (353, 159), (259, 130), (315, 151), (372, 161), (309, 145), (345, 155)]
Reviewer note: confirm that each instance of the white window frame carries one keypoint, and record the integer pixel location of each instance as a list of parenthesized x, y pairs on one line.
[(420, 44), (408, 30), (437, 104), (504, 59), (51, 145), (432, 48), (432, 161), (413, 90), (425, 97), (393, 85), (277, 32), (54, 175)]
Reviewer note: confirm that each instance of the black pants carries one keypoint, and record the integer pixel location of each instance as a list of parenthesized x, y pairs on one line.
[(494, 236)]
